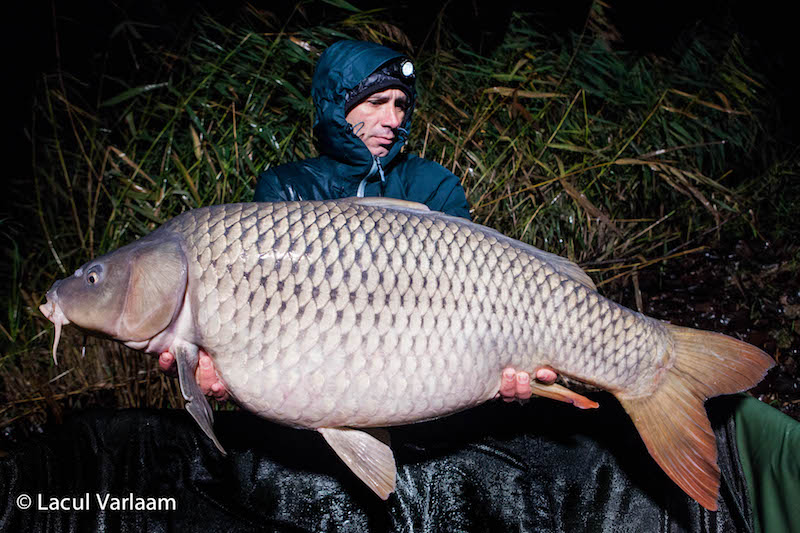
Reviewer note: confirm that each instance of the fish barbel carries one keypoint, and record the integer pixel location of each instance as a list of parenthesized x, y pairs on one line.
[(399, 314)]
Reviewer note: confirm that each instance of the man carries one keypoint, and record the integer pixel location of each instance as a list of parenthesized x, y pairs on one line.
[(364, 95)]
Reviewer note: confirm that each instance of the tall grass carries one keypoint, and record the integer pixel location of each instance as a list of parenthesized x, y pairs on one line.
[(616, 160)]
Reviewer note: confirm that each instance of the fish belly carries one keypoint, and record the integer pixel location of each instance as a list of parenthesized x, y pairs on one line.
[(323, 314)]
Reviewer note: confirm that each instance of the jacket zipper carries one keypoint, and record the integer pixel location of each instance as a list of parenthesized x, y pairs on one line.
[(377, 168)]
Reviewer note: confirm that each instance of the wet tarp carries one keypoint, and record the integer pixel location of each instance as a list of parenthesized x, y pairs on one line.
[(500, 467)]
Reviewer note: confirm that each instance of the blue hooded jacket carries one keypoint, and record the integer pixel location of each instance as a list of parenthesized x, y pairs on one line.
[(345, 161)]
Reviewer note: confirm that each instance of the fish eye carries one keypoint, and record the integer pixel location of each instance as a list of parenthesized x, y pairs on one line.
[(92, 277)]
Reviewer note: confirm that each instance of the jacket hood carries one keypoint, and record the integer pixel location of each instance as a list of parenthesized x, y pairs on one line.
[(340, 68)]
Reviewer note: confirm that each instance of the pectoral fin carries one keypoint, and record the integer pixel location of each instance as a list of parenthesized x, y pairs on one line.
[(186, 357), (562, 394), (367, 454)]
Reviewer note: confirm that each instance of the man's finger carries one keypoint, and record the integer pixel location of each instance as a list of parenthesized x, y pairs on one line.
[(219, 392), (208, 380), (508, 385), (523, 386), (546, 376), (205, 374), (166, 361)]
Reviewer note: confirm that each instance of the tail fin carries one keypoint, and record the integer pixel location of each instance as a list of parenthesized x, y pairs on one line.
[(672, 421)]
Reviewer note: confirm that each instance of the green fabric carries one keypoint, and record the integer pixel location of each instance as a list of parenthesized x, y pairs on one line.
[(769, 450), (345, 161)]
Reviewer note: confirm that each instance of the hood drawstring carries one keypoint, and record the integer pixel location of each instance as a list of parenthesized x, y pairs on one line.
[(383, 177), (402, 134), (377, 168)]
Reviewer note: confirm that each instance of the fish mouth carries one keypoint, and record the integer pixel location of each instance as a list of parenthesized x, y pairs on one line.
[(52, 310)]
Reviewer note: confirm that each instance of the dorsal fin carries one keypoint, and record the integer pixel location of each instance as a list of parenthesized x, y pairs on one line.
[(560, 264), (392, 203), (564, 266)]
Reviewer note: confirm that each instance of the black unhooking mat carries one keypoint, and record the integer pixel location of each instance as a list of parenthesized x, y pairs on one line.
[(500, 467)]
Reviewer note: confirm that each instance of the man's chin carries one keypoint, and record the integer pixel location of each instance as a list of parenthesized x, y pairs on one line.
[(381, 151)]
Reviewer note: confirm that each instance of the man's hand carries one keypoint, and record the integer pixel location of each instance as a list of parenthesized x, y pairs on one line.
[(517, 385), (205, 374)]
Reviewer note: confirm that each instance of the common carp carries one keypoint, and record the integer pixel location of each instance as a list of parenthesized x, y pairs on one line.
[(399, 314)]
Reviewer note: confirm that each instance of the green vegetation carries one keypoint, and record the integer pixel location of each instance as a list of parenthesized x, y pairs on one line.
[(617, 160)]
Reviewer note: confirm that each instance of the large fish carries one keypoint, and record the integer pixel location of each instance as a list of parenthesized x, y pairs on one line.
[(398, 314)]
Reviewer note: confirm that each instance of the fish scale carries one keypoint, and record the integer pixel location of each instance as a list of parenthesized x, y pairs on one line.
[(441, 309), (363, 313)]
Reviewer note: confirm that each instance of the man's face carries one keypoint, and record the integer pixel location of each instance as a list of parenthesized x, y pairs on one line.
[(376, 119)]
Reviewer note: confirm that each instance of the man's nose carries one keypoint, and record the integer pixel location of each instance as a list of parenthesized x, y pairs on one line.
[(392, 116)]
